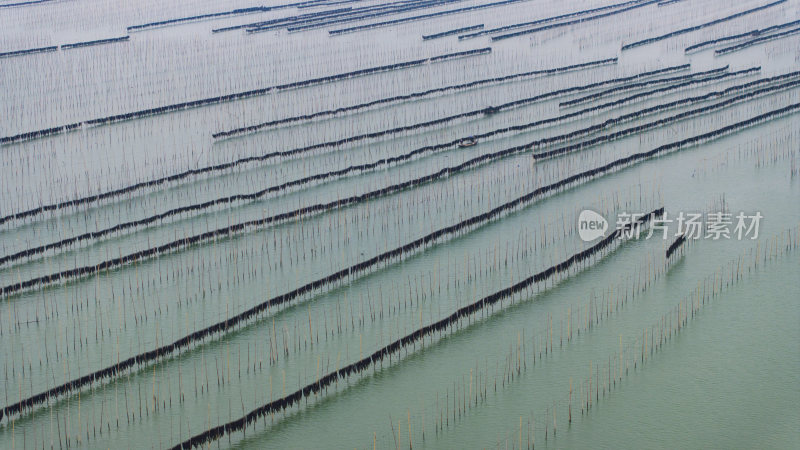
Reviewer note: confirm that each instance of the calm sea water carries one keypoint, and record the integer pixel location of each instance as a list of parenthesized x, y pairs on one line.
[(727, 380)]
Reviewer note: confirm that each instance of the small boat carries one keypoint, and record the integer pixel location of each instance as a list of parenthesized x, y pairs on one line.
[(467, 142)]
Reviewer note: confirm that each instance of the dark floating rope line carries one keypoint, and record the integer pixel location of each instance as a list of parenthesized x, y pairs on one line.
[(29, 51), (235, 12), (282, 20), (575, 22), (546, 20), (369, 12), (707, 96), (661, 122), (467, 164), (317, 16), (477, 112), (228, 324), (29, 3), (440, 326), (701, 26), (324, 3), (85, 271), (665, 89), (370, 166), (668, 2), (422, 17), (54, 48), (96, 42), (363, 17), (615, 90), (573, 89), (366, 14), (240, 95), (333, 174), (396, 253), (327, 3), (480, 112), (442, 34), (429, 92), (753, 33), (676, 244), (359, 14), (246, 160), (756, 41), (360, 168)]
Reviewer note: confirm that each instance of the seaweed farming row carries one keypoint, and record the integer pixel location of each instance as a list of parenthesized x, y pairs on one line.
[(489, 110), (659, 122), (315, 286), (283, 20), (469, 163), (420, 334), (546, 20), (30, 51), (85, 271), (698, 76), (28, 3), (226, 166), (309, 21), (484, 158), (440, 90), (237, 321), (239, 96), (452, 32), (480, 159), (670, 88), (341, 15), (12, 419), (235, 12), (735, 37), (532, 350), (357, 15), (95, 42), (469, 254), (575, 21), (54, 48), (701, 26), (756, 41), (675, 245), (410, 19), (606, 375)]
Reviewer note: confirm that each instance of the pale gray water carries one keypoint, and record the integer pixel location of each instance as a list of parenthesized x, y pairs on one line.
[(728, 380)]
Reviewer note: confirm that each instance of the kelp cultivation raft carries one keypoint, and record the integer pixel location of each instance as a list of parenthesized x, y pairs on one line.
[(363, 224)]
